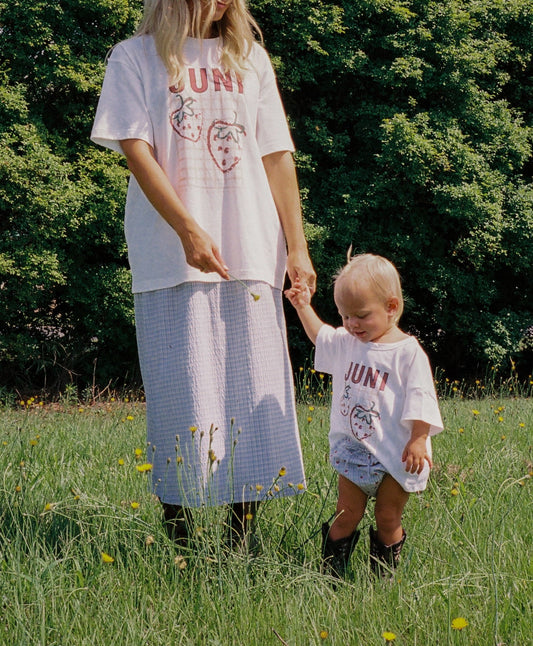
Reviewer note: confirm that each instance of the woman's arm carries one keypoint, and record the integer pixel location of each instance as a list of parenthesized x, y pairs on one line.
[(281, 173), (200, 250)]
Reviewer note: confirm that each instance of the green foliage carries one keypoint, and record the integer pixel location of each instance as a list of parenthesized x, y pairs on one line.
[(65, 309), (412, 121), (413, 125)]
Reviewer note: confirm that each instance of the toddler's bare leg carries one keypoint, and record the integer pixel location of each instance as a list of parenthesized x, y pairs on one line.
[(390, 502), (351, 506)]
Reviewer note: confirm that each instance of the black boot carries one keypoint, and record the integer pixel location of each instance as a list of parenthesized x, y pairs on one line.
[(384, 558), (177, 521), (241, 521), (336, 554)]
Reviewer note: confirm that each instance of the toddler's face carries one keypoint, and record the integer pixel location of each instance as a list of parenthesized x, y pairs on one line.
[(364, 314)]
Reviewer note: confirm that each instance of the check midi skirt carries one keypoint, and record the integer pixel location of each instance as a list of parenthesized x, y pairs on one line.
[(221, 419)]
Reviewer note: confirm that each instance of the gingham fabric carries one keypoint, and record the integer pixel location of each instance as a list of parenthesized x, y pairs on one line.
[(221, 420)]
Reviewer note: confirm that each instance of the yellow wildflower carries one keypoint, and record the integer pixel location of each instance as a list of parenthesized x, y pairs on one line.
[(143, 468), (459, 623), (106, 558), (324, 634), (282, 472), (135, 505), (388, 636)]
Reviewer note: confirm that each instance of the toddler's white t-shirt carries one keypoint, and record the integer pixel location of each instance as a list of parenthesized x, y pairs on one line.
[(209, 136), (378, 390)]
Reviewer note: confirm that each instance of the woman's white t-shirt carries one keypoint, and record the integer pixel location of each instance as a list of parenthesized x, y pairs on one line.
[(379, 389), (209, 136)]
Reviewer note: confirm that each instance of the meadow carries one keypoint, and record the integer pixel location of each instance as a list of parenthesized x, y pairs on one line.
[(85, 561)]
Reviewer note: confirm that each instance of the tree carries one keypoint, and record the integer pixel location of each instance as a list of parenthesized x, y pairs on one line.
[(412, 121), (413, 124)]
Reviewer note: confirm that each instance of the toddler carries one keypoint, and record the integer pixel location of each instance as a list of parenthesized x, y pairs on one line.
[(384, 409)]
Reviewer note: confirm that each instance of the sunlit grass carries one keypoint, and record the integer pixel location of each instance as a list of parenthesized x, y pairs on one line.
[(84, 558)]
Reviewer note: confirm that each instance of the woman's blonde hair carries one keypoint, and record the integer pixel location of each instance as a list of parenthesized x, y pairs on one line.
[(374, 272), (170, 22)]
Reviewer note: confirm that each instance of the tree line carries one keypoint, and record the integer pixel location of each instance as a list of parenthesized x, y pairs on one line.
[(413, 126)]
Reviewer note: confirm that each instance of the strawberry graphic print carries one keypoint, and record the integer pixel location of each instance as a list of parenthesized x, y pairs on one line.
[(224, 141), (185, 121)]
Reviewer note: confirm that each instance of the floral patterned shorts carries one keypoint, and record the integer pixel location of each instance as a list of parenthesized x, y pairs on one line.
[(354, 461)]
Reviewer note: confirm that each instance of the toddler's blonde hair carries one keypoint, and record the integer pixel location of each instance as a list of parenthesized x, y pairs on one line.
[(170, 22), (376, 273)]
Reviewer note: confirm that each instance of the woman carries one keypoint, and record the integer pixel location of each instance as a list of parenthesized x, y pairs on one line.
[(212, 223)]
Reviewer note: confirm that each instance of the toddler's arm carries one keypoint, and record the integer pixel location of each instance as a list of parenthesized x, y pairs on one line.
[(415, 452), (300, 297)]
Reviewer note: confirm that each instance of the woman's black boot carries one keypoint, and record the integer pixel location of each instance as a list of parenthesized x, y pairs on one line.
[(241, 521), (177, 521), (384, 558), (336, 554)]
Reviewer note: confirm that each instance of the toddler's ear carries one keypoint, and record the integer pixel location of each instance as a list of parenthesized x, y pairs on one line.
[(392, 305)]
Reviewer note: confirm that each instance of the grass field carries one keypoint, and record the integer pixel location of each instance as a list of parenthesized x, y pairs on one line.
[(84, 559)]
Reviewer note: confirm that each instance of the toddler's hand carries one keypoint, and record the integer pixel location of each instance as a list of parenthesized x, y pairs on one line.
[(299, 295), (415, 455)]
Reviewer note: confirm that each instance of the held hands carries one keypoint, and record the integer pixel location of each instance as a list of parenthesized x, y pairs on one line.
[(300, 269), (415, 454)]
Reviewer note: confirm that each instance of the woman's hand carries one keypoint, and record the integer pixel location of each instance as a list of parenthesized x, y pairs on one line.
[(300, 270)]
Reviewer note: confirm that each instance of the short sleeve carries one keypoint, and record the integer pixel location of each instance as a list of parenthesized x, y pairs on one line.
[(420, 397), (326, 349), (122, 112), (273, 132)]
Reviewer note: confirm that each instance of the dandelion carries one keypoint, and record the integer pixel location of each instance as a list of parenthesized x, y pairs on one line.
[(34, 442), (143, 468), (80, 410), (120, 462), (282, 472), (461, 430), (299, 486), (500, 419), (249, 516), (135, 505), (454, 492), (106, 558), (475, 412), (388, 636), (311, 408), (49, 506), (130, 418), (521, 424), (459, 623), (193, 429), (18, 488), (138, 453), (324, 634), (309, 419), (256, 297)]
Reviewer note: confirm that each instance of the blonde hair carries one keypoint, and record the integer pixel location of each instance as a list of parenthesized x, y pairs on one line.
[(170, 22), (374, 272)]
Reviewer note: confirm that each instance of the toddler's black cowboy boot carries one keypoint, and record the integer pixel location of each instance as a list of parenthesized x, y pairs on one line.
[(336, 554), (384, 558)]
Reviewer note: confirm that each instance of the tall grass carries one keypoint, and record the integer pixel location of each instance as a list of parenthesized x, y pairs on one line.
[(71, 492)]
